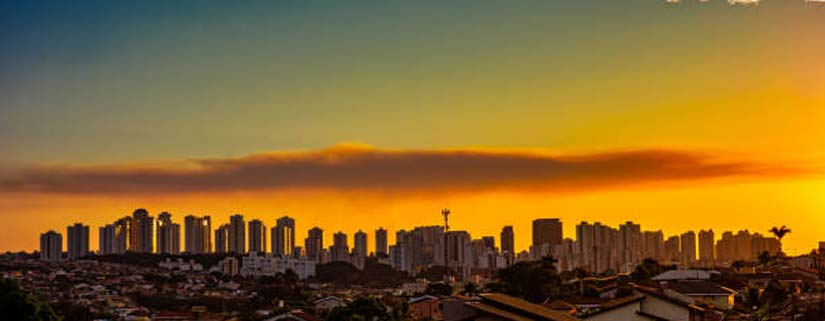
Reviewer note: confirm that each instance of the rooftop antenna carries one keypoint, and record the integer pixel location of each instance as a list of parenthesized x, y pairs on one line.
[(446, 213)]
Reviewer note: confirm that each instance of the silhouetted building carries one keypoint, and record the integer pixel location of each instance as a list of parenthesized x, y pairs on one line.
[(123, 235), (283, 236), (222, 238), (142, 238), (381, 242), (340, 248), (457, 244), (198, 234), (508, 243), (547, 231), (314, 244), (106, 240), (706, 248), (77, 241), (167, 235), (237, 234), (688, 248), (257, 236), (360, 246), (673, 250), (51, 246)]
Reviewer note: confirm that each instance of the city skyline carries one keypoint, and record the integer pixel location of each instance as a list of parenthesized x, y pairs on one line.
[(360, 115)]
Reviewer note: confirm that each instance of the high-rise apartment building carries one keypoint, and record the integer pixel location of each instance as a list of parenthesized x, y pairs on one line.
[(630, 246), (123, 235), (283, 236), (673, 250), (142, 231), (51, 246), (688, 248), (381, 242), (707, 256), (508, 243), (340, 249), (77, 241), (106, 240), (167, 235), (653, 245), (360, 246), (547, 231), (236, 239), (197, 234), (457, 243), (222, 238), (314, 244), (257, 236)]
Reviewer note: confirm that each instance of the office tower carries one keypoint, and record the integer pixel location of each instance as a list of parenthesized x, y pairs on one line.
[(630, 246), (257, 236), (77, 241), (123, 235), (508, 243), (165, 234), (236, 239), (106, 240), (653, 245), (672, 250), (360, 246), (339, 249), (688, 248), (197, 234), (314, 244), (381, 242), (222, 238), (283, 236), (141, 238), (51, 246), (547, 231), (706, 248), (457, 244)]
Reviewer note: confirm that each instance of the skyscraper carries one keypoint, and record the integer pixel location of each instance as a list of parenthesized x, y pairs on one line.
[(653, 245), (381, 242), (237, 234), (706, 248), (142, 241), (77, 241), (457, 244), (314, 244), (688, 248), (167, 234), (106, 240), (360, 248), (547, 231), (123, 235), (673, 250), (222, 238), (630, 246), (257, 236), (283, 236), (508, 243), (197, 234), (340, 248), (51, 246)]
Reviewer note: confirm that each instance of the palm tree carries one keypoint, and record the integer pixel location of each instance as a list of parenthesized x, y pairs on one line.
[(764, 259), (780, 232)]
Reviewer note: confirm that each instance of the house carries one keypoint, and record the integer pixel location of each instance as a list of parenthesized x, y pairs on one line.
[(660, 306), (328, 303), (627, 308), (426, 307), (702, 290), (500, 307), (295, 315)]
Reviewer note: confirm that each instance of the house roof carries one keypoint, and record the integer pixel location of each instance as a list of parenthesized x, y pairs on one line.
[(703, 288), (674, 275), (497, 312), (534, 311), (618, 303), (656, 293)]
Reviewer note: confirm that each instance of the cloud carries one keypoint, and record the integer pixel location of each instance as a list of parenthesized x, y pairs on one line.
[(363, 168)]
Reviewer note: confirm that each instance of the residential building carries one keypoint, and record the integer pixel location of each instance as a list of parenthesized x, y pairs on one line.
[(360, 245), (51, 246), (77, 241), (257, 236), (381, 242), (236, 238), (197, 234), (314, 244), (283, 236)]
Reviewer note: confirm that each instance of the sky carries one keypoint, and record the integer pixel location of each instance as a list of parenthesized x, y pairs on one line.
[(363, 114)]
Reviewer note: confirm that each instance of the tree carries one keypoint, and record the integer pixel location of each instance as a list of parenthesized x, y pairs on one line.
[(18, 304), (738, 265), (439, 288), (534, 281), (780, 232), (764, 259), (362, 308), (645, 271)]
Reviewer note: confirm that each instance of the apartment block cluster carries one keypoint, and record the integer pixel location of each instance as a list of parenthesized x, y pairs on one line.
[(596, 248)]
